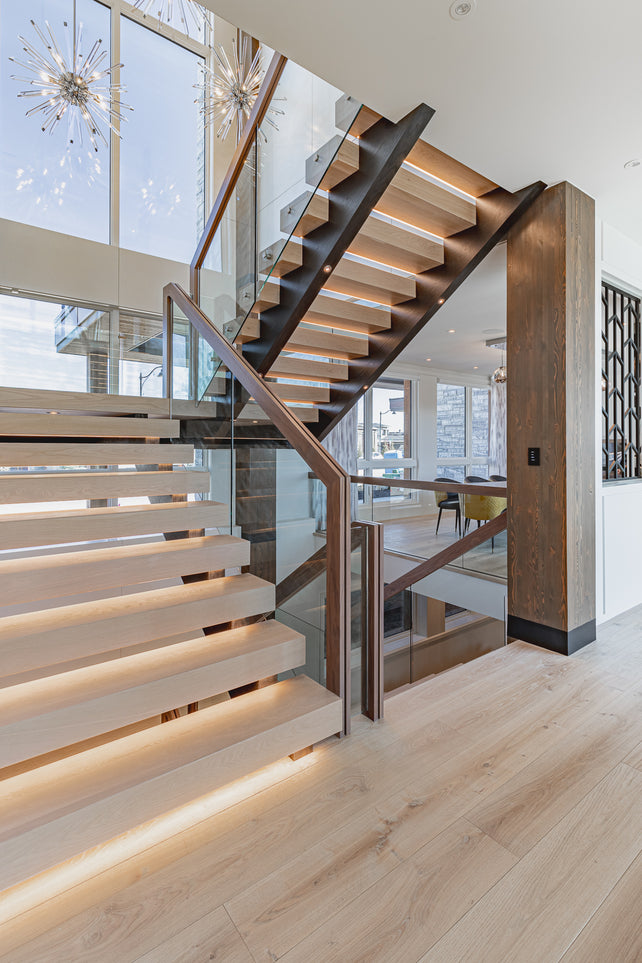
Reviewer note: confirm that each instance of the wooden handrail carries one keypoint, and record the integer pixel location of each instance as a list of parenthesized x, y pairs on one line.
[(336, 480), (460, 547), (496, 489), (254, 121)]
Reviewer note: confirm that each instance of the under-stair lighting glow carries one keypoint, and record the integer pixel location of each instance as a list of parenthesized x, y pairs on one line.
[(441, 301), (327, 268), (69, 879), (415, 227), (434, 177)]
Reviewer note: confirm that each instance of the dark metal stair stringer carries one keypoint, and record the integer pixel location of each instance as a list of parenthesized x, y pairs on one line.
[(383, 149)]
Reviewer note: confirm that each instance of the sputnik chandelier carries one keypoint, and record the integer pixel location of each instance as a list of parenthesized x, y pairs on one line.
[(231, 88), (190, 13), (77, 87)]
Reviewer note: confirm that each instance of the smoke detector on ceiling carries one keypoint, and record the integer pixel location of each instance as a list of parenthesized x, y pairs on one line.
[(462, 8)]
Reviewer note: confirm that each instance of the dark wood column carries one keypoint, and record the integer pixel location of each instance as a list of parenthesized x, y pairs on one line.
[(551, 408)]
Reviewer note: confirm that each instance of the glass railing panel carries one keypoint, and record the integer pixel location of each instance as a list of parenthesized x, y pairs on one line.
[(182, 336), (280, 507), (412, 527), (296, 144), (227, 284), (290, 153), (424, 636), (489, 558)]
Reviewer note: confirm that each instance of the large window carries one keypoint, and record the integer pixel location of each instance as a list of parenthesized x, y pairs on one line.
[(44, 180), (149, 194), (162, 151), (621, 422), (463, 419), (384, 432)]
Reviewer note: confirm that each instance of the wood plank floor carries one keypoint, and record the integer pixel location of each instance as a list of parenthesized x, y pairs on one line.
[(495, 815)]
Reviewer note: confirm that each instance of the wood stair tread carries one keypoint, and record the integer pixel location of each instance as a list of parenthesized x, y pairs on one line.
[(382, 240), (370, 283), (313, 341), (17, 487), (305, 214), (28, 529), (305, 369), (49, 637), (59, 810), (424, 204), (45, 714), (77, 402), (18, 454), (333, 163), (253, 413), (435, 162), (345, 315), (32, 423), (300, 393), (50, 576)]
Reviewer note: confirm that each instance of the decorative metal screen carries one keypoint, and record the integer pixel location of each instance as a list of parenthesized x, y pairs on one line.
[(621, 435)]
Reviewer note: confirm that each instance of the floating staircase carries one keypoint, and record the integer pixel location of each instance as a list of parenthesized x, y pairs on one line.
[(431, 223), (119, 648)]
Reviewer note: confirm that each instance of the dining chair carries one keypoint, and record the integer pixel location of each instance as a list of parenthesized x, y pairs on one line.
[(448, 501)]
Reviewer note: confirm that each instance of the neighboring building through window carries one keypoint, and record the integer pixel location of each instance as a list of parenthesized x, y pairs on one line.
[(621, 433), (463, 416), (384, 432)]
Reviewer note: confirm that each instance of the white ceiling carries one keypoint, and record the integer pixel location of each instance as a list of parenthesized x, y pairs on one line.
[(476, 312), (524, 90)]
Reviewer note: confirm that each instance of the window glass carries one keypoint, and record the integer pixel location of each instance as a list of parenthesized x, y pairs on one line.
[(456, 472), (451, 421), (360, 428), (480, 426), (41, 345), (162, 151), (44, 180), (388, 421)]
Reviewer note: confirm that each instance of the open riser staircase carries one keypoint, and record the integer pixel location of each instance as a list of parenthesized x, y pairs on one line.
[(116, 652), (429, 224)]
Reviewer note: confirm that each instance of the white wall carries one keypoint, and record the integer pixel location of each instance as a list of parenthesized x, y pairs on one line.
[(43, 263), (618, 504)]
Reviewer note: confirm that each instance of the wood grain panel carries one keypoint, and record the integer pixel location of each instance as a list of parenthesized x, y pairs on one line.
[(347, 315), (391, 244), (357, 280), (550, 393), (325, 345), (75, 402)]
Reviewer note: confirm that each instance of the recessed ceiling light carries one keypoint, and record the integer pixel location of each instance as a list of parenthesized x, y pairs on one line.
[(462, 8), (632, 163), (475, 367), (451, 331), (428, 359)]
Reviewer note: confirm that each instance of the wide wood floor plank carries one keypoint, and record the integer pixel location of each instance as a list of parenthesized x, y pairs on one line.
[(408, 910), (304, 893), (522, 811), (548, 897), (214, 938), (614, 932)]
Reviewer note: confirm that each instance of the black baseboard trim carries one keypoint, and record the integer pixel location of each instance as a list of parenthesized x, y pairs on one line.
[(557, 640)]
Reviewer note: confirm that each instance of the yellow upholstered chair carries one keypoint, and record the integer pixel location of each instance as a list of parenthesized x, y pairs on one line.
[(482, 508)]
